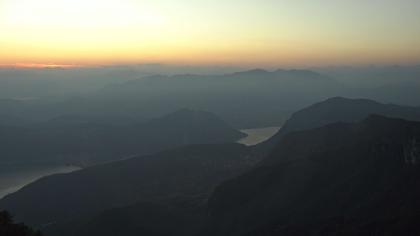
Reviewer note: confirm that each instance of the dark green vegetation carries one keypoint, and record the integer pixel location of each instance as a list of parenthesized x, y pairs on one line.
[(336, 168), (82, 141), (9, 228)]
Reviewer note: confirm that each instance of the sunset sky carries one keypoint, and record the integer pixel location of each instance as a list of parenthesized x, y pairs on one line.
[(225, 32)]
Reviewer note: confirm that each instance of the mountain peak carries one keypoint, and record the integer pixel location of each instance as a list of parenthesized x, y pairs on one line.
[(299, 72), (253, 72), (340, 109), (187, 113), (344, 99)]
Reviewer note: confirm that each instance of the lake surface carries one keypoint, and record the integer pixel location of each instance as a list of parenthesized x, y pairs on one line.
[(15, 176), (256, 136)]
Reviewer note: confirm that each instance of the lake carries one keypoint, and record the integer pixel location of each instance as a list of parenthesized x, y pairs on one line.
[(258, 135), (15, 176)]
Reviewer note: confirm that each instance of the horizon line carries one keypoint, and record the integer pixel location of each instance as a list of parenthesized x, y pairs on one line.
[(263, 67)]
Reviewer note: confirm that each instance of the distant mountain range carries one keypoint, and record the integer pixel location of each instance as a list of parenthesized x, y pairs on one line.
[(340, 169), (244, 99), (78, 140), (247, 99)]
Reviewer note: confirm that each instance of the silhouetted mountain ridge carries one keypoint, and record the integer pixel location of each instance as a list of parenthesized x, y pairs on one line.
[(347, 179), (342, 168), (186, 174), (340, 109), (84, 140), (265, 92)]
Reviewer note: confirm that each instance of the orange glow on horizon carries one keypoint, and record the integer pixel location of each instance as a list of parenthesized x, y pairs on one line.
[(66, 34), (39, 66)]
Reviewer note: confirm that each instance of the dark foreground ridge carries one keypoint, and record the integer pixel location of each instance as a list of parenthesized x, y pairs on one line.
[(341, 179), (173, 180)]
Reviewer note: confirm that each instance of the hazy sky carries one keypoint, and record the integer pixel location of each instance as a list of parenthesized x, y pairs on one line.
[(234, 32)]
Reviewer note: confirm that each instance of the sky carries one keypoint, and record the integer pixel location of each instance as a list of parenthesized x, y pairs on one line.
[(209, 32)]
